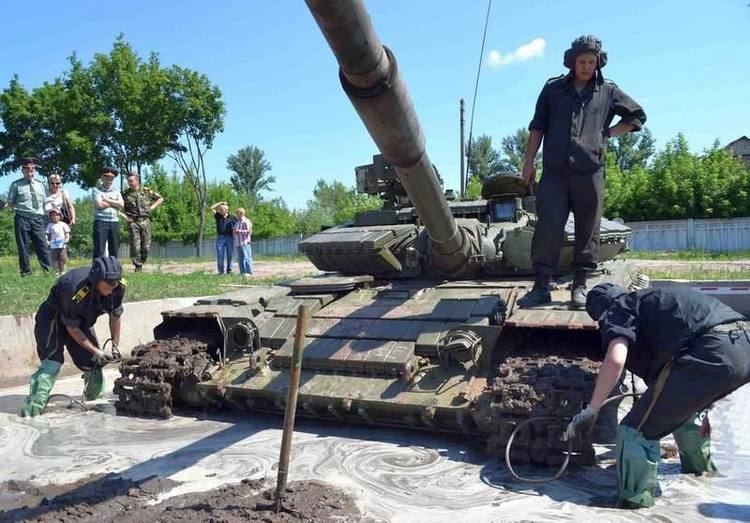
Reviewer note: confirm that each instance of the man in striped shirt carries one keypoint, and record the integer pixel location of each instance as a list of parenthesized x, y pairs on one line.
[(243, 231)]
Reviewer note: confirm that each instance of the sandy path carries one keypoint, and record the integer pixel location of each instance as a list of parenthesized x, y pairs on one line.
[(261, 269)]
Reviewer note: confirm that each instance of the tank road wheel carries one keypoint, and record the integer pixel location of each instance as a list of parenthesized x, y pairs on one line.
[(156, 377)]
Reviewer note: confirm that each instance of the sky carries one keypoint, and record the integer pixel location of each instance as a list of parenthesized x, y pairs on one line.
[(685, 61)]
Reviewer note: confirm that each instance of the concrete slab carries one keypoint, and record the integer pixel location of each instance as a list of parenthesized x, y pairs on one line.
[(18, 358), (395, 475)]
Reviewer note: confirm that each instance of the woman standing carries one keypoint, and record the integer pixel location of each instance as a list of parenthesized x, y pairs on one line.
[(59, 200), (243, 230)]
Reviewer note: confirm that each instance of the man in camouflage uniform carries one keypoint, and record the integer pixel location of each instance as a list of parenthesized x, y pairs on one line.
[(139, 204)]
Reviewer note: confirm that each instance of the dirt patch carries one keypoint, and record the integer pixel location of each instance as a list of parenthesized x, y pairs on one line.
[(261, 269), (112, 499)]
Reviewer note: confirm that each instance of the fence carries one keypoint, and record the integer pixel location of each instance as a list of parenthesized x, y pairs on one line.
[(281, 246), (719, 235)]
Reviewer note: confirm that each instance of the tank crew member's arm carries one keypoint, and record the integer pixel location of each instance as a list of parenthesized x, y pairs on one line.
[(632, 116), (537, 128)]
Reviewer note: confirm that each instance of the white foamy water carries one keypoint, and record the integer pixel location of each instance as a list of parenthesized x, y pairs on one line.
[(394, 475)]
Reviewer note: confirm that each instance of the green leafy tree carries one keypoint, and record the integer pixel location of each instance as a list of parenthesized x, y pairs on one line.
[(250, 168), (332, 204), (474, 187), (513, 149), (198, 110), (484, 161), (632, 149)]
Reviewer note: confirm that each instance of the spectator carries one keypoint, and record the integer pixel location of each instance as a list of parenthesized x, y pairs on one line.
[(224, 233), (58, 236), (26, 198), (139, 203), (107, 203), (243, 231), (59, 200)]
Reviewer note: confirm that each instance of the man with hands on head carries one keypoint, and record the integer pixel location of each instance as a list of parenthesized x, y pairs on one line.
[(691, 350), (66, 320)]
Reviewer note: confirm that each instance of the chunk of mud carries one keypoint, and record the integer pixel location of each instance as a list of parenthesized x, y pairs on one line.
[(114, 499)]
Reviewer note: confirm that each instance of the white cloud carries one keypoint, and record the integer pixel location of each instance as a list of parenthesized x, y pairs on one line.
[(532, 49)]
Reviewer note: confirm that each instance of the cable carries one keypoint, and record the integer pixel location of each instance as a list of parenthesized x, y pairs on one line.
[(476, 89), (71, 399), (568, 452)]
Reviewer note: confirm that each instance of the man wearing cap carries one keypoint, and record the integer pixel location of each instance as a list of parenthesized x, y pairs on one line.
[(139, 203), (107, 203), (66, 320), (26, 197), (691, 350), (573, 115)]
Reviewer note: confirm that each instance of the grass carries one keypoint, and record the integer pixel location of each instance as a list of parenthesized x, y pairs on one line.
[(23, 295), (690, 255), (698, 274)]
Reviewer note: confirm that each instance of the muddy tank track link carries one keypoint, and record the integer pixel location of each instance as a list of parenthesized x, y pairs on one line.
[(155, 373)]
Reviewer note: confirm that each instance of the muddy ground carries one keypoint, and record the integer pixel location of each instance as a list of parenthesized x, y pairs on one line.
[(115, 499)]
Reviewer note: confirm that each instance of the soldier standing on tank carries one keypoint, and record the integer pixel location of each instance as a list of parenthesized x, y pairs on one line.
[(139, 202), (573, 114)]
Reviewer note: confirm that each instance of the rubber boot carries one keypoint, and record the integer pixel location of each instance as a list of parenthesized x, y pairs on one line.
[(93, 384), (538, 295), (41, 385), (578, 291), (693, 439), (637, 461)]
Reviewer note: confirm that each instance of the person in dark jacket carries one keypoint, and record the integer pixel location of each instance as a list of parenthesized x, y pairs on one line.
[(574, 116), (691, 350), (224, 236), (66, 320)]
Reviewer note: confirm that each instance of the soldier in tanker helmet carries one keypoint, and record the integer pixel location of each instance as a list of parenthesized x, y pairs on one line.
[(139, 203), (573, 115)]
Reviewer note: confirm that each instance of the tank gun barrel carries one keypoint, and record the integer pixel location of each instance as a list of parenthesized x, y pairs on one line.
[(371, 79)]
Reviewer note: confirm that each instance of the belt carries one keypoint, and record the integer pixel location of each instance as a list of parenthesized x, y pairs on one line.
[(140, 218)]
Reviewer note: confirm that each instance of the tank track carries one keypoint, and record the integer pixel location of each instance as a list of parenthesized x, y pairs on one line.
[(152, 375), (530, 382)]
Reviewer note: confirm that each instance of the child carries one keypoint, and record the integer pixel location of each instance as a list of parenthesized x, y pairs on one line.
[(58, 236), (243, 230)]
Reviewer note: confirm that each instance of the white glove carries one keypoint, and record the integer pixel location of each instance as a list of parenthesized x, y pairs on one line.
[(100, 358), (582, 423)]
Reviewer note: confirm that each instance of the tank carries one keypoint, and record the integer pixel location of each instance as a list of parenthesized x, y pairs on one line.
[(413, 317)]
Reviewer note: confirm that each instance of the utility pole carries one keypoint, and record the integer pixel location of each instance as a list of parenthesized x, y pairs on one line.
[(462, 112)]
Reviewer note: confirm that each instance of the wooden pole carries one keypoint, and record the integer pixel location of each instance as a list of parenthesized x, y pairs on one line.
[(291, 404)]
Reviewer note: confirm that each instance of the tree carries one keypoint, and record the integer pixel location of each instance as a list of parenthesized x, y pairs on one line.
[(198, 112), (514, 150), (250, 169), (632, 149), (333, 204), (484, 160)]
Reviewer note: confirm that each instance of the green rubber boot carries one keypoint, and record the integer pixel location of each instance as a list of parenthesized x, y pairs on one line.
[(637, 461), (93, 384), (41, 385), (695, 447)]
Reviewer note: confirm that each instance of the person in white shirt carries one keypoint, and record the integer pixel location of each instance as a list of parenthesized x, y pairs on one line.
[(58, 236), (59, 200), (107, 203)]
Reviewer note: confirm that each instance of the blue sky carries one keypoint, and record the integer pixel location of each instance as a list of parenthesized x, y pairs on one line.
[(686, 62)]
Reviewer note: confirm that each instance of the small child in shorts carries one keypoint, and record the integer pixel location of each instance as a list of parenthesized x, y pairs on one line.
[(58, 236)]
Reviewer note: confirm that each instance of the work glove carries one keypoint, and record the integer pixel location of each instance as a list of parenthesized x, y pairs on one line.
[(582, 423), (100, 358)]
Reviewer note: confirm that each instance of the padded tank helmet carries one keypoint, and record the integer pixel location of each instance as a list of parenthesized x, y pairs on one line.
[(601, 297), (105, 268), (585, 44)]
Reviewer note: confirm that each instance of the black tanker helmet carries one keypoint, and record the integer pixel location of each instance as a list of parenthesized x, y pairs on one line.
[(585, 44), (106, 268), (601, 298)]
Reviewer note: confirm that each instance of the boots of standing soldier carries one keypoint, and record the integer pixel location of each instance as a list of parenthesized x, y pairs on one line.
[(578, 291), (539, 294), (41, 385)]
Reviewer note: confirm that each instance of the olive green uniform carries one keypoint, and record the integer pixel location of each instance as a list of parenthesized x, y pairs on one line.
[(138, 210)]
